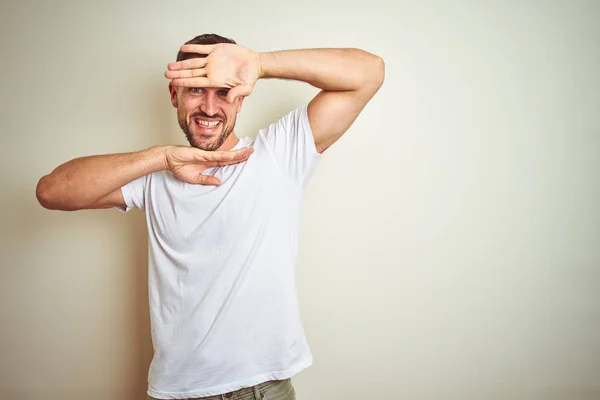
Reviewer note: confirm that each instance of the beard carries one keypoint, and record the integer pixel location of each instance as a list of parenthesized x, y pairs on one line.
[(206, 144)]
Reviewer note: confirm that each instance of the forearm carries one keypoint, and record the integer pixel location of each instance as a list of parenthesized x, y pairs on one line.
[(327, 69), (82, 181)]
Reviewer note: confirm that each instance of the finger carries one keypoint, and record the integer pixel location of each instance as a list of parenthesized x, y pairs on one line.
[(241, 153), (186, 73), (193, 82), (223, 155), (207, 180), (214, 163), (241, 91), (236, 161), (190, 63), (197, 48), (232, 156)]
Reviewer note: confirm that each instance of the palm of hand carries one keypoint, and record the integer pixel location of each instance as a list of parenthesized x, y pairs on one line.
[(227, 65), (188, 163), (188, 170), (230, 65)]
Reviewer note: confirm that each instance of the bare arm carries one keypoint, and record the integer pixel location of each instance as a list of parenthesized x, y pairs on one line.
[(96, 181), (349, 78)]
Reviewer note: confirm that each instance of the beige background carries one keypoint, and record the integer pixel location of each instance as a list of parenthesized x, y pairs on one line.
[(450, 241)]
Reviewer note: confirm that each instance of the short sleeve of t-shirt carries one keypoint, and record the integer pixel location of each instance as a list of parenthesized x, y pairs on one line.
[(134, 194), (291, 142)]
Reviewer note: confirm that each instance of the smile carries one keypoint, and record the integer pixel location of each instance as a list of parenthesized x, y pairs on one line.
[(206, 123)]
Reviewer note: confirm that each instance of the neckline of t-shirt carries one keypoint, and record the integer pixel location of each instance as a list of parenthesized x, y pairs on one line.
[(241, 143)]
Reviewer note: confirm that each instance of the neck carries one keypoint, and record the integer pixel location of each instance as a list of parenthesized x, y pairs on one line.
[(229, 143)]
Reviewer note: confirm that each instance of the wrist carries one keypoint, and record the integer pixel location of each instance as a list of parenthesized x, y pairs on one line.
[(263, 62), (157, 156)]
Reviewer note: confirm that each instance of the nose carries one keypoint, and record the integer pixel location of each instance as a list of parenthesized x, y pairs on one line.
[(209, 105)]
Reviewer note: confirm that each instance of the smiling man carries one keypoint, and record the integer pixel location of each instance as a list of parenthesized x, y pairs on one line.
[(223, 214), (203, 113), (204, 117)]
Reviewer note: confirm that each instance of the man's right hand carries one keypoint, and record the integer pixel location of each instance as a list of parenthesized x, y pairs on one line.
[(187, 163)]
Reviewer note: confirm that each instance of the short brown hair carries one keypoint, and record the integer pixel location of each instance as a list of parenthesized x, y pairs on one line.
[(207, 38)]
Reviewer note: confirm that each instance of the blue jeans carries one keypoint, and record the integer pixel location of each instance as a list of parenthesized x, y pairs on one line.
[(270, 390)]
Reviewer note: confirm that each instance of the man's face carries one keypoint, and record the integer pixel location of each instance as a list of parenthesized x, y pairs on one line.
[(204, 115)]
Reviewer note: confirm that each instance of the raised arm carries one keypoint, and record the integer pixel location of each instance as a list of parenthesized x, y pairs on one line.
[(348, 78)]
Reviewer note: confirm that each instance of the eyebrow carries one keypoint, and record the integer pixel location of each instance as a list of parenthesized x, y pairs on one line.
[(202, 87)]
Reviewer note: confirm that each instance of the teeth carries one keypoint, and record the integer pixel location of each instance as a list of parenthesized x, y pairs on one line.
[(209, 124)]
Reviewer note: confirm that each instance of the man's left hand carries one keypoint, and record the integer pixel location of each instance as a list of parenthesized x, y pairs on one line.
[(227, 65)]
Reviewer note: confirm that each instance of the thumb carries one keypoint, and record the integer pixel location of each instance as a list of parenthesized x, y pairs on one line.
[(202, 179), (240, 90)]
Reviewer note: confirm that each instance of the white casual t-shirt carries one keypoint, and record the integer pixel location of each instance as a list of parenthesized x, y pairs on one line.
[(223, 302)]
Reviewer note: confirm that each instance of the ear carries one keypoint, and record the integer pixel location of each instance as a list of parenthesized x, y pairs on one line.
[(173, 93)]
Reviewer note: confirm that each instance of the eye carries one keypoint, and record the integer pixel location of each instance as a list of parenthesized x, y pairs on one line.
[(196, 90), (223, 92)]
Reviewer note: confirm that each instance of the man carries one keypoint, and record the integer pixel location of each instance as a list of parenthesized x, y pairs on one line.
[(223, 214)]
